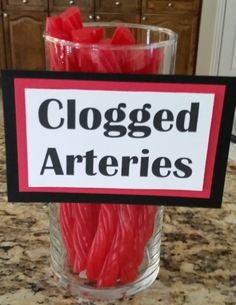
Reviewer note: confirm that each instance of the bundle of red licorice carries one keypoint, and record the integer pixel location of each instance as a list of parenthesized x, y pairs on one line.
[(91, 50), (107, 241)]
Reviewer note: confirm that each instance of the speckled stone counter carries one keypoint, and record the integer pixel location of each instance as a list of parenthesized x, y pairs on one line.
[(198, 258)]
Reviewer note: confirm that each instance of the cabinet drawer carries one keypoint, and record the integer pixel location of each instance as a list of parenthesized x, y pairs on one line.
[(117, 6), (175, 6), (60, 5), (107, 17), (26, 5)]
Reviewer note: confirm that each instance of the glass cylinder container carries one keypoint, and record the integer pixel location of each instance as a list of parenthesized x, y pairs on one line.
[(108, 251)]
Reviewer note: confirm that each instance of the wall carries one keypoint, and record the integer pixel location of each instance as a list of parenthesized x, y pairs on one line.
[(215, 37), (210, 36)]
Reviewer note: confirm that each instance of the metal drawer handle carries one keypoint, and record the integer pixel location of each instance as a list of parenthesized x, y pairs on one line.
[(98, 18), (24, 1), (117, 3), (90, 17), (170, 4), (5, 15), (71, 2), (144, 18)]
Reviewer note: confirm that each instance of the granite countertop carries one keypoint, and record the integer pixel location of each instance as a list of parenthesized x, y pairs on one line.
[(198, 256)]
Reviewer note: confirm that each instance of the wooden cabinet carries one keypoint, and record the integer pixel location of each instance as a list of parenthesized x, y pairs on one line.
[(86, 7), (107, 17), (120, 11), (187, 28), (25, 5), (183, 18), (120, 6), (22, 27), (171, 7), (23, 40)]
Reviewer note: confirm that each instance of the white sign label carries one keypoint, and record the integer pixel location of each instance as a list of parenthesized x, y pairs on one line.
[(117, 139)]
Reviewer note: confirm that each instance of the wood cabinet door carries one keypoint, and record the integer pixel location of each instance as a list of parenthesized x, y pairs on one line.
[(186, 26), (24, 40), (2, 49)]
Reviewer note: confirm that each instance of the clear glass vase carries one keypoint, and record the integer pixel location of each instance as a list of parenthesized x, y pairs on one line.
[(108, 251)]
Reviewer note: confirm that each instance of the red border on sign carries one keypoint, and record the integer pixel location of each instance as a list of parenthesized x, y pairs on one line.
[(22, 83)]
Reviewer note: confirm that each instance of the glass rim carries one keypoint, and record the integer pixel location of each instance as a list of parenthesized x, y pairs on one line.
[(172, 37)]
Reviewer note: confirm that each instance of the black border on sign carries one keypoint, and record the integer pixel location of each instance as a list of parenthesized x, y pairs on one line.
[(14, 195)]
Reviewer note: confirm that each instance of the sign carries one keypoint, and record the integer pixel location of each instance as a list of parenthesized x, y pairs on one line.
[(110, 138)]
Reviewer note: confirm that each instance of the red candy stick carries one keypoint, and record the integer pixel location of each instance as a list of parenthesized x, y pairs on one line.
[(85, 226), (121, 247), (128, 216), (145, 217), (110, 270), (71, 20), (107, 223), (122, 36), (127, 222)]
